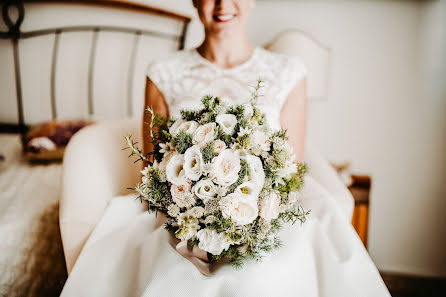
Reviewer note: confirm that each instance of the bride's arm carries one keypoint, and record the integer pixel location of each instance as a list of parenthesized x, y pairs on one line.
[(293, 117), (155, 99)]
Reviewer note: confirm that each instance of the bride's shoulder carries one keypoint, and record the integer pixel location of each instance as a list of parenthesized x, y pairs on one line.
[(282, 63), (169, 63)]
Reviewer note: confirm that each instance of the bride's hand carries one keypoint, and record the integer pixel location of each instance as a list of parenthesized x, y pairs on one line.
[(195, 255)]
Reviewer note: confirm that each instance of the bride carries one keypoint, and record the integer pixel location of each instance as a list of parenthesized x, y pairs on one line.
[(130, 253)]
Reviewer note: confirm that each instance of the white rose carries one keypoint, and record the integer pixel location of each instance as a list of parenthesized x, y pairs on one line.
[(225, 168), (204, 134), (256, 173), (213, 242), (226, 122), (173, 130), (270, 206), (204, 189), (189, 126), (219, 146), (174, 170), (242, 209), (180, 194), (193, 161)]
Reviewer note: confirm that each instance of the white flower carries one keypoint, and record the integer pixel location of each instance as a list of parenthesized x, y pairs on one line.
[(225, 168), (219, 146), (248, 188), (204, 189), (248, 110), (259, 141), (189, 126), (174, 170), (193, 161), (166, 148), (256, 173), (209, 219), (173, 210), (243, 131), (179, 194), (213, 242), (188, 226), (197, 212), (226, 122), (145, 170), (204, 134), (269, 206), (173, 130), (288, 169), (242, 209)]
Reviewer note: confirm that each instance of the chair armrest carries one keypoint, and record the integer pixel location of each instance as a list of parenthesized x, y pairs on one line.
[(95, 169)]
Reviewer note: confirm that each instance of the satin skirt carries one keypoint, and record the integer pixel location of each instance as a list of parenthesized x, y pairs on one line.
[(129, 255)]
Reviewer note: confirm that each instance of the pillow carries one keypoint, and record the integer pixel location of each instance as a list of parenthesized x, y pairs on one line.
[(47, 141)]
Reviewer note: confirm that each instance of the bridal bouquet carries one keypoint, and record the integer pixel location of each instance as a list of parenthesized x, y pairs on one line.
[(225, 180)]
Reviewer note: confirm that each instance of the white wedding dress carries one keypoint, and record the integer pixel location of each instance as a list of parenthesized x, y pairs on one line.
[(128, 255)]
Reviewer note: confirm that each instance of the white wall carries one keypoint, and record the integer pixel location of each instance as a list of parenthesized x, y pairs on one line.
[(386, 112)]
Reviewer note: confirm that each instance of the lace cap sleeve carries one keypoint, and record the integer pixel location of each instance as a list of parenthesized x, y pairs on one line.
[(293, 72), (156, 71)]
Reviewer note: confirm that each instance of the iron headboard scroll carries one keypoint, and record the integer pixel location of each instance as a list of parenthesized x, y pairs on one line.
[(15, 34)]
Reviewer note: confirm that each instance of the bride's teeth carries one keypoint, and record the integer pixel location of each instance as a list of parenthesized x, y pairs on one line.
[(225, 17)]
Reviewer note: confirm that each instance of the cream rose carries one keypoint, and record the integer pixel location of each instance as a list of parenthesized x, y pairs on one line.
[(225, 168), (270, 206), (241, 208), (226, 122), (174, 170), (189, 126), (193, 161), (213, 242), (180, 194), (203, 134), (204, 189)]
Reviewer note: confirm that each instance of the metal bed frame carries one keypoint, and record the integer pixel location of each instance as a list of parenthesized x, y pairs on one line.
[(15, 35)]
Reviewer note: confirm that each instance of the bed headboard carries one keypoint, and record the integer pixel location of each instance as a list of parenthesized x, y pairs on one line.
[(77, 59)]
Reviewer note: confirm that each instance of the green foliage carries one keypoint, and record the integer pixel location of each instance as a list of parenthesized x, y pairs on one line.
[(190, 115), (282, 133), (294, 215), (183, 141), (210, 102), (241, 175), (208, 152)]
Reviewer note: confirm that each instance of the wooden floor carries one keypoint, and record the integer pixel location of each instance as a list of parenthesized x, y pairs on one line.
[(412, 286)]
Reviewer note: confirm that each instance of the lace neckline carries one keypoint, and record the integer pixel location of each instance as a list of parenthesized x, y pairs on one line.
[(242, 65)]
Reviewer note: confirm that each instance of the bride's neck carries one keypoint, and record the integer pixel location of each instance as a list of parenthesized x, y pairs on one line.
[(224, 52)]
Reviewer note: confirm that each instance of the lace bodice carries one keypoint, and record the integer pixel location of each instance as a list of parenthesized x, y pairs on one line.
[(184, 77)]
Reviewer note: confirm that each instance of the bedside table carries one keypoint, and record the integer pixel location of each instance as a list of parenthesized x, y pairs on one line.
[(360, 189)]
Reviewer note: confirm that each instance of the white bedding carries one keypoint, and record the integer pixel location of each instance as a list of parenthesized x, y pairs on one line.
[(26, 192)]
